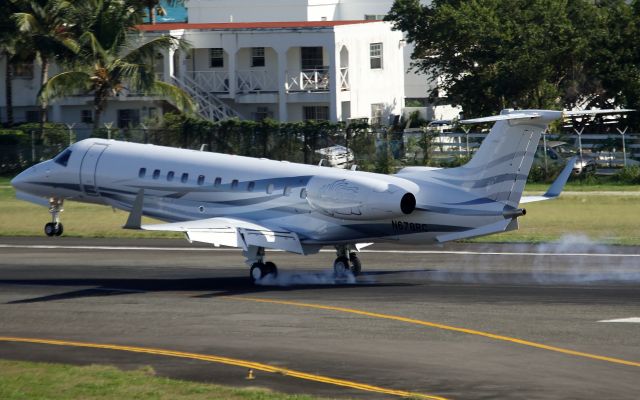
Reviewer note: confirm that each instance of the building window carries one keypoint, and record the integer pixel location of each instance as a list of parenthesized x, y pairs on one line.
[(185, 178), (86, 116), (315, 113), (375, 55), (374, 17), (377, 110), (128, 118), (262, 113), (22, 70), (217, 182), (200, 180), (32, 116), (257, 57), (311, 58), (216, 57), (170, 176), (142, 172)]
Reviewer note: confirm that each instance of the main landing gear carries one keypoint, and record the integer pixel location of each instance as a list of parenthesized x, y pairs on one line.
[(259, 268), (54, 228), (347, 260)]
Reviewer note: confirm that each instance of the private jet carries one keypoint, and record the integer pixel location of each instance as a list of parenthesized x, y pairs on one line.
[(259, 204)]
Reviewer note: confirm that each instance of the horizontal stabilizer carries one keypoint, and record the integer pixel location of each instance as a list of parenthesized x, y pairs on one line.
[(577, 113), (496, 227), (502, 117), (556, 187)]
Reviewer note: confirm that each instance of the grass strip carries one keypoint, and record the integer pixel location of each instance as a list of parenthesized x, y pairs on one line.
[(30, 380), (603, 218)]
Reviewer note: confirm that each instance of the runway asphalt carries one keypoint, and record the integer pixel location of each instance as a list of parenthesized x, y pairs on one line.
[(463, 321)]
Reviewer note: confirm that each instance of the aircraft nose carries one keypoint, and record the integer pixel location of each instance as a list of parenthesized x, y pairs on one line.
[(22, 180)]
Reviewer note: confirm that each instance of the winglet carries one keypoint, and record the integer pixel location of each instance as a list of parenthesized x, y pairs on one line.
[(135, 217), (556, 187)]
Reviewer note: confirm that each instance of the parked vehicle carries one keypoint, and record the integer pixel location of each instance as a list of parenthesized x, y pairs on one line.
[(559, 152)]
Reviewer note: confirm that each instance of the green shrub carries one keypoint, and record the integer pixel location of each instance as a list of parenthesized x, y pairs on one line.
[(628, 175)]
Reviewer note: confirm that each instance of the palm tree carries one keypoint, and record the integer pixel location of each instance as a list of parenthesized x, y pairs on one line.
[(154, 7), (43, 25), (110, 63)]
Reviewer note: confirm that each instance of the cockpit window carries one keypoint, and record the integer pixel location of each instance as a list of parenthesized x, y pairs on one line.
[(63, 158)]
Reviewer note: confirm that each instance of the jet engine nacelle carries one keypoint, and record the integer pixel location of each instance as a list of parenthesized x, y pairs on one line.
[(359, 198)]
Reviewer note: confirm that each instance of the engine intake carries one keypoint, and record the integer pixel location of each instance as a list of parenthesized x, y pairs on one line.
[(359, 198)]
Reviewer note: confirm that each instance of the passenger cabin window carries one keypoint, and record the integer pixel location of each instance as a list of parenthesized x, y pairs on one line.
[(251, 186), (217, 182), (286, 191), (156, 173), (170, 176), (200, 180), (185, 178), (270, 188), (142, 172), (63, 158), (234, 184), (303, 194)]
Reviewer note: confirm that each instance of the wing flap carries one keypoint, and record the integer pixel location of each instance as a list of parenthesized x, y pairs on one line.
[(233, 232)]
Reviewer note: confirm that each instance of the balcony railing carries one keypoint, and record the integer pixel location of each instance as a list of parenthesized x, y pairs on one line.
[(308, 80), (250, 81), (211, 81)]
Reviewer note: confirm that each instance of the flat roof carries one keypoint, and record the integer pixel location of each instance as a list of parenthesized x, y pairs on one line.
[(249, 25)]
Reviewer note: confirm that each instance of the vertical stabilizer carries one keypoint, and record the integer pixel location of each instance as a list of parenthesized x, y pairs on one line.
[(500, 167)]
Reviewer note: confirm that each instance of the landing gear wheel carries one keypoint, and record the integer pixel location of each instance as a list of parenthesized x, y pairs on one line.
[(356, 265), (50, 229), (271, 269), (258, 271), (58, 229), (341, 266)]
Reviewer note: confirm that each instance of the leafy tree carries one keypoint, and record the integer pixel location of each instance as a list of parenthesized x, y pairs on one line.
[(110, 63), (48, 33), (491, 54)]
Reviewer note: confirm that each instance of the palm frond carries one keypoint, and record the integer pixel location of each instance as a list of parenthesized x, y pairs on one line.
[(26, 22), (178, 97), (65, 84)]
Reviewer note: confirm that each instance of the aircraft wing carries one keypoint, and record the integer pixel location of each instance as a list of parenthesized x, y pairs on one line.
[(233, 232), (221, 231), (556, 187)]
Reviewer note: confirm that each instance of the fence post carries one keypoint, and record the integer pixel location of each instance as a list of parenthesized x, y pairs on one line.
[(624, 149), (579, 132), (70, 127), (466, 130)]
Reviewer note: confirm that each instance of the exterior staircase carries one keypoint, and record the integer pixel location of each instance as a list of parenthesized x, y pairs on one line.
[(209, 106)]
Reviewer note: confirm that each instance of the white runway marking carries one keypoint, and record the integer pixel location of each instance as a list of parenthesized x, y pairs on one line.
[(149, 248), (633, 320)]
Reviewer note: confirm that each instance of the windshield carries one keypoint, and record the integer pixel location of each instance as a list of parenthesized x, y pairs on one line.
[(63, 158)]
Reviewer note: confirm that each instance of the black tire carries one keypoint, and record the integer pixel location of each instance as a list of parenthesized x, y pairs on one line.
[(341, 266), (58, 229), (258, 271), (50, 229), (271, 269), (356, 265)]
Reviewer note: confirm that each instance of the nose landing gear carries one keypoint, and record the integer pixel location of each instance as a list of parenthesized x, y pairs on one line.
[(54, 228)]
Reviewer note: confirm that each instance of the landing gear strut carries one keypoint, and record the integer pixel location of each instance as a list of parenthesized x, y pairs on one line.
[(259, 268), (347, 260), (54, 228)]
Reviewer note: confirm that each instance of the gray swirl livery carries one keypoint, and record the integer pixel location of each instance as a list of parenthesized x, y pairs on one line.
[(257, 204)]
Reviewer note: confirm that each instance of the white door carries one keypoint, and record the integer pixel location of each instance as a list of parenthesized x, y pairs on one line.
[(88, 168)]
